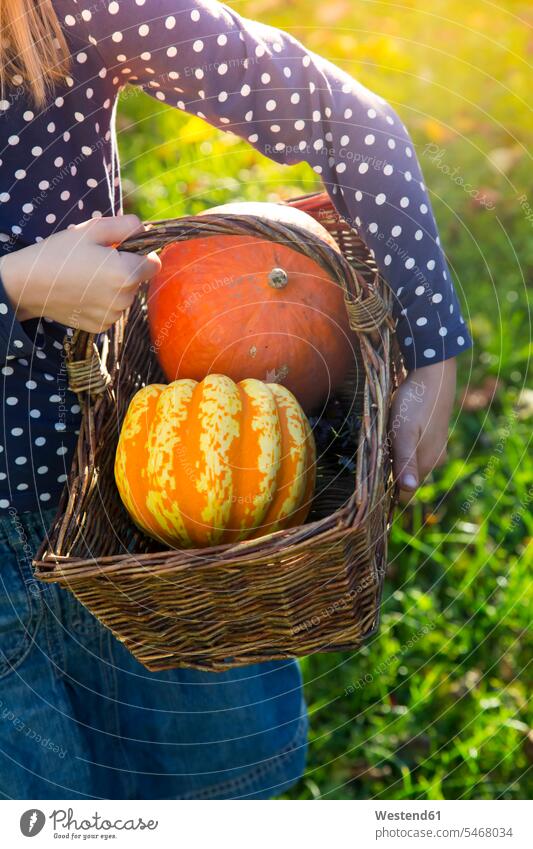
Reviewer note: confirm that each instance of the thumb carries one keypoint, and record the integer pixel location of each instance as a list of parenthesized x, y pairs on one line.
[(113, 230), (404, 459)]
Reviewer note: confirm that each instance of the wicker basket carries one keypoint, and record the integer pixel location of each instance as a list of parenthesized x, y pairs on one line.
[(313, 588)]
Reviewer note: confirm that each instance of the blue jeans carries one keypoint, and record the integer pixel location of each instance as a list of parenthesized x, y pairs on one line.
[(81, 718)]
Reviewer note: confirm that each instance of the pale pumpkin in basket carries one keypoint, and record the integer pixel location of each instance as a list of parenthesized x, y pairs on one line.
[(213, 462)]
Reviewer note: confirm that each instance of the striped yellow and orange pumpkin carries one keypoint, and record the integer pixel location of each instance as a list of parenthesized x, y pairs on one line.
[(213, 462)]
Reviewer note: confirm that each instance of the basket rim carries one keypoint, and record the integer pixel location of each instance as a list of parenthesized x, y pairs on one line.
[(242, 553), (367, 310)]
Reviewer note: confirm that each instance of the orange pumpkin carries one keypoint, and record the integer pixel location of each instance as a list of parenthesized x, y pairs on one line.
[(246, 306), (201, 464)]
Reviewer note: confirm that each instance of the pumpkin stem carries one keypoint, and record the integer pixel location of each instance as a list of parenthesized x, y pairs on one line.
[(278, 278)]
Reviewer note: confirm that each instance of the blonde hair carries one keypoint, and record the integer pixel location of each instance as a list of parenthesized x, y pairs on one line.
[(32, 47)]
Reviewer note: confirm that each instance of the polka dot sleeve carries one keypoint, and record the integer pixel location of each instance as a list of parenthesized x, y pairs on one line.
[(295, 106)]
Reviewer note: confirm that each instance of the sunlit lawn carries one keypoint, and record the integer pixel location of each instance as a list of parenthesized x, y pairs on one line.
[(439, 699)]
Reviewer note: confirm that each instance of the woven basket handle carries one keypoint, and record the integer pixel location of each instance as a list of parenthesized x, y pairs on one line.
[(367, 311), (86, 365)]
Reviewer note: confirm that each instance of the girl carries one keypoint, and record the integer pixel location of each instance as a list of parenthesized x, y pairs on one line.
[(81, 718)]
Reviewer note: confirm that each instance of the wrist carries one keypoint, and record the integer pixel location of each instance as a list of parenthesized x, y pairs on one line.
[(16, 285)]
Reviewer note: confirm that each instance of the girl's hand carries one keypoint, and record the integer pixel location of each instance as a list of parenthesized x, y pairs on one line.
[(76, 276), (420, 416)]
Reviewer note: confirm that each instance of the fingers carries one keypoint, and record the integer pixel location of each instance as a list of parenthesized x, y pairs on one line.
[(98, 323), (428, 462), (427, 459), (126, 273), (420, 417), (112, 230), (426, 465), (137, 269), (405, 462), (116, 279)]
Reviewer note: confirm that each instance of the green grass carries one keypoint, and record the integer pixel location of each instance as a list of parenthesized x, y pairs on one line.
[(436, 706)]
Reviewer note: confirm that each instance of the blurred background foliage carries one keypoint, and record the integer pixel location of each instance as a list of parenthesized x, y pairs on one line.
[(436, 706)]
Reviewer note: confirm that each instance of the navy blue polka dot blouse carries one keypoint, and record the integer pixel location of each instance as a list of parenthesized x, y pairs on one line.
[(59, 166)]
